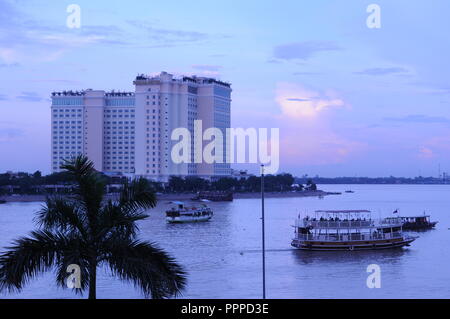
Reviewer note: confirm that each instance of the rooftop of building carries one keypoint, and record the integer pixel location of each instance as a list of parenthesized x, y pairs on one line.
[(111, 93), (143, 79), (164, 76)]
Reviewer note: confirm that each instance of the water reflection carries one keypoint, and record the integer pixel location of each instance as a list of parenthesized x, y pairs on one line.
[(388, 256)]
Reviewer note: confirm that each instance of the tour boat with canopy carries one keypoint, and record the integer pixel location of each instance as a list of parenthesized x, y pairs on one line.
[(186, 214), (348, 230)]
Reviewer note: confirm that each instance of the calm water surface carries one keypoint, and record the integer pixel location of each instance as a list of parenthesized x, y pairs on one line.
[(223, 256)]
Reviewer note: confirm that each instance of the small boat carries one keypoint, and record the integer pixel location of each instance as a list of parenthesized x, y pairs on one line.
[(214, 196), (186, 214), (332, 230), (349, 191), (421, 222)]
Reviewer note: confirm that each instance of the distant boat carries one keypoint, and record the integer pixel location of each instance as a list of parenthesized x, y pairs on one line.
[(214, 196), (344, 230), (186, 214), (349, 191), (421, 222)]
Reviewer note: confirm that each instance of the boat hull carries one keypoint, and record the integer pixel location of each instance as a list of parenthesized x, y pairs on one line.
[(415, 226), (353, 246), (187, 219)]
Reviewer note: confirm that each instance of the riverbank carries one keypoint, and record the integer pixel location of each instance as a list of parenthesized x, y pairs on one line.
[(183, 196)]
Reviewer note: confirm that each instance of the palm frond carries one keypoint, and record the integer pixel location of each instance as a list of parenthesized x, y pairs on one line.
[(78, 258), (114, 219), (30, 256), (62, 214), (137, 195), (90, 187), (86, 231), (122, 215), (149, 268), (78, 166)]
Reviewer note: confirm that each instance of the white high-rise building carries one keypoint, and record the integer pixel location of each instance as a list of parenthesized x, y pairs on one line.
[(130, 132)]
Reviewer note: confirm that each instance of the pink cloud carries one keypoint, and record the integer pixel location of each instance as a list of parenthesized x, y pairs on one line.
[(437, 146), (297, 101), (306, 134), (426, 153)]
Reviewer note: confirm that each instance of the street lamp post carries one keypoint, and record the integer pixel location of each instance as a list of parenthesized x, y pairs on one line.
[(263, 234)]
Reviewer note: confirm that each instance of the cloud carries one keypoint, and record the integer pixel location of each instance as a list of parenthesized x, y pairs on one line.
[(61, 38), (306, 73), (168, 37), (61, 81), (8, 56), (24, 39), (316, 146), (30, 97), (8, 65), (211, 68), (302, 50), (297, 101), (75, 40), (419, 118), (426, 153), (307, 136), (431, 88), (383, 71), (435, 147), (206, 70)]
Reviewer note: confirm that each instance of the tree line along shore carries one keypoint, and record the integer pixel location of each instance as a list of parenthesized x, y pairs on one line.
[(25, 187), (183, 196)]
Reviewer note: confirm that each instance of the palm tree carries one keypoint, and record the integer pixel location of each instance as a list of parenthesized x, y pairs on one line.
[(86, 230)]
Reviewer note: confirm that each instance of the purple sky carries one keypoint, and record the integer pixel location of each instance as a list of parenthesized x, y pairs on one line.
[(348, 100)]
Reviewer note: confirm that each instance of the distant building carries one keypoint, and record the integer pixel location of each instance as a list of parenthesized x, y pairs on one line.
[(130, 132), (240, 174), (12, 174)]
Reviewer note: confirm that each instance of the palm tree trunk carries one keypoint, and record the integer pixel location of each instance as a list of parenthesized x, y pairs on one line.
[(93, 279)]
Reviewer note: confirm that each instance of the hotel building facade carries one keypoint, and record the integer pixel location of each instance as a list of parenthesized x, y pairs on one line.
[(130, 132)]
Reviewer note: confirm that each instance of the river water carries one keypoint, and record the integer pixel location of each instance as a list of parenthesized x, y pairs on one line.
[(223, 256)]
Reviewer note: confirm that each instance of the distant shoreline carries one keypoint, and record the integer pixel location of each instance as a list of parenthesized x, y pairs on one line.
[(184, 196)]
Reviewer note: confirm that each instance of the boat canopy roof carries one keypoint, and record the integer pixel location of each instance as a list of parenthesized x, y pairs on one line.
[(343, 211), (346, 214)]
